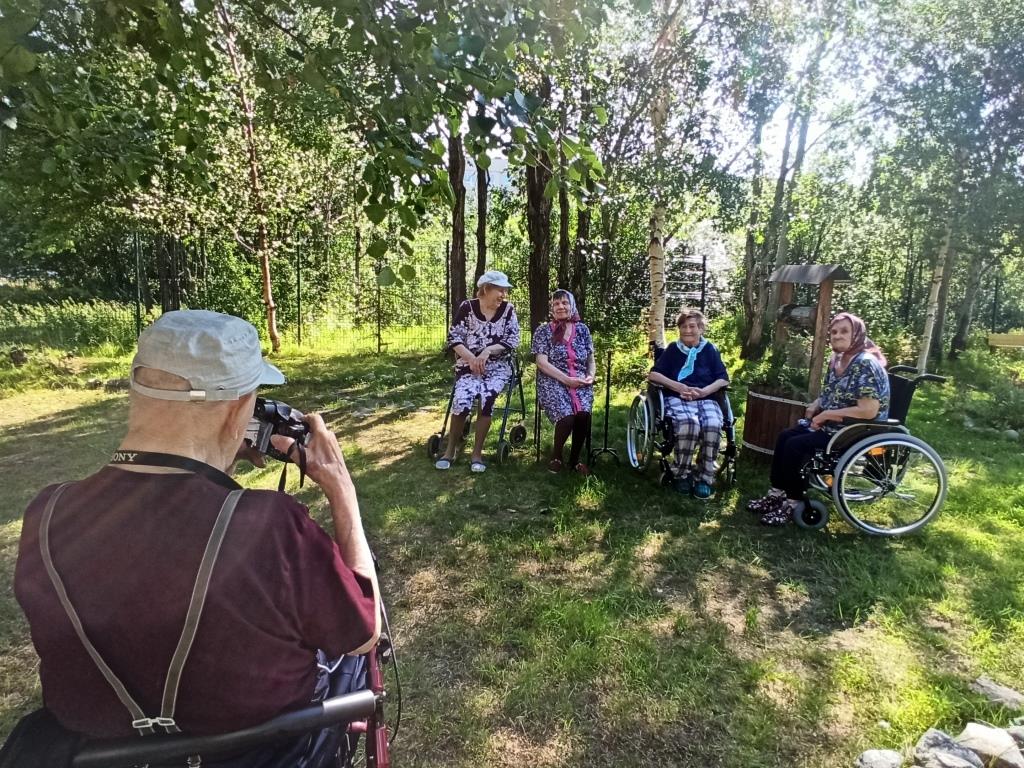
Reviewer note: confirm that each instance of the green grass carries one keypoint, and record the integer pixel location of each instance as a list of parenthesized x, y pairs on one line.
[(554, 620)]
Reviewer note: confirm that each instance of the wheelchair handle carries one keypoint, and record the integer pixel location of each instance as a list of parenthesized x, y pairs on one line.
[(918, 377), (124, 753)]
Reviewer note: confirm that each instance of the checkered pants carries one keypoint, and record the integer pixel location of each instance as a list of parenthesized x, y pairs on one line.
[(693, 419)]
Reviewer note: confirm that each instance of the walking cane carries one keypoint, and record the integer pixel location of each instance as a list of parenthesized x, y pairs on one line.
[(594, 454)]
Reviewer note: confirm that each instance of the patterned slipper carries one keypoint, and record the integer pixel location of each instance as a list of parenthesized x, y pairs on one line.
[(777, 517), (477, 466), (766, 503)]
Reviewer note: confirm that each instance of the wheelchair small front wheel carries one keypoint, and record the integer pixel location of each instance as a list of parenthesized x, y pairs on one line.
[(640, 433), (433, 446), (811, 515), (890, 484), (504, 451), (517, 435)]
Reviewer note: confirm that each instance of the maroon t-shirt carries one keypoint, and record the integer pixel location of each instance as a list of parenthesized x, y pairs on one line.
[(128, 546)]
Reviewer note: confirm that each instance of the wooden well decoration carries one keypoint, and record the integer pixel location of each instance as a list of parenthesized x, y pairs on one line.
[(769, 412)]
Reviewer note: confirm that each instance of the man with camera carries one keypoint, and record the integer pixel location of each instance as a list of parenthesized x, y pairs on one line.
[(163, 597)]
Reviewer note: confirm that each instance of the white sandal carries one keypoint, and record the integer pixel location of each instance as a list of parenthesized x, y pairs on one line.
[(443, 463), (477, 466)]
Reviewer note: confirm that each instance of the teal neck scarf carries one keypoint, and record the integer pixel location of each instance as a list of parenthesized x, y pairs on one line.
[(691, 357)]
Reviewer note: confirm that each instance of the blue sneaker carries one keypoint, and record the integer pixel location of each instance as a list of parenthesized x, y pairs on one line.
[(702, 490), (683, 484)]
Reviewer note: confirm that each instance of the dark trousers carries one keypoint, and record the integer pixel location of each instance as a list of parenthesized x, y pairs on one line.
[(793, 449)]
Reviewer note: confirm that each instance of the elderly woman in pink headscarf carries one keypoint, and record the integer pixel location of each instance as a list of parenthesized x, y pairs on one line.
[(564, 351), (856, 386)]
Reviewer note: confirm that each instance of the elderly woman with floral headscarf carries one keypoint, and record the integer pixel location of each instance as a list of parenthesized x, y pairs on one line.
[(691, 371), (564, 351), (484, 332), (856, 386)]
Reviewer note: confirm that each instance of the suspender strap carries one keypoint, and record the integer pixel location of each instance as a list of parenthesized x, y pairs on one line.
[(195, 608), (144, 725)]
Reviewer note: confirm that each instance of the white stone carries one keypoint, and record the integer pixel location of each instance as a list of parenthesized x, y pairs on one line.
[(935, 743), (1017, 734), (993, 745), (1011, 434), (998, 694), (943, 760), (879, 758)]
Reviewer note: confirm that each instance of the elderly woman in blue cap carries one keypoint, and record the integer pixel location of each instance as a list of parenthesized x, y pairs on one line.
[(691, 371), (565, 378), (483, 333)]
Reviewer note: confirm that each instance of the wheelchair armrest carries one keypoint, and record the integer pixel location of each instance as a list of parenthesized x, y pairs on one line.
[(903, 369), (847, 420), (127, 752), (932, 377)]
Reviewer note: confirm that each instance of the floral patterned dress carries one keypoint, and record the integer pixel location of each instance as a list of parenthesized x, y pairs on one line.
[(475, 332), (570, 357)]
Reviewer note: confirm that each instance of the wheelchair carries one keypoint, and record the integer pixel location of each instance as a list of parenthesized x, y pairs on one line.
[(509, 438), (361, 712), (883, 480), (648, 430)]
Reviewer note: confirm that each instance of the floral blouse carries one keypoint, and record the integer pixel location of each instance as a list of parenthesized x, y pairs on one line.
[(864, 377), (474, 331)]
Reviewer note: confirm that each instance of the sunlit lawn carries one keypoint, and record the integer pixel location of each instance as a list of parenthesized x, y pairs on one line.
[(545, 620)]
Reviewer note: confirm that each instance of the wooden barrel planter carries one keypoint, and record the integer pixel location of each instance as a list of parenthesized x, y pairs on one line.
[(768, 413)]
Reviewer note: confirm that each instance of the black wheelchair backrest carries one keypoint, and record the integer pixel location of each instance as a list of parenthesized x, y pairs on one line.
[(902, 388)]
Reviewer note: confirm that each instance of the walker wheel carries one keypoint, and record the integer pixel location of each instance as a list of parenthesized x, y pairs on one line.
[(667, 478), (811, 515), (517, 435), (504, 451), (433, 446)]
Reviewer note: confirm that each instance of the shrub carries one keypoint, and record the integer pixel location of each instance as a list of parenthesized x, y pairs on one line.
[(68, 324)]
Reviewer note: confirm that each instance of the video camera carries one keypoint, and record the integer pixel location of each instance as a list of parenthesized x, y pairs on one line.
[(272, 417)]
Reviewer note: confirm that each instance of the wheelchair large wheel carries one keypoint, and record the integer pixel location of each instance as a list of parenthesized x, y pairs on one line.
[(640, 433), (889, 484)]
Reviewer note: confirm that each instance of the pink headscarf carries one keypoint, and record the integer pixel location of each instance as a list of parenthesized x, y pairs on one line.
[(859, 341), (558, 331)]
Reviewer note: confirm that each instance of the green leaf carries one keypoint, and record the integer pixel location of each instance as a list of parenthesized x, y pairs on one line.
[(483, 160), (601, 114), (182, 137), (10, 121), (18, 62), (49, 166), (407, 215), (376, 213), (408, 272), (377, 248), (386, 277), (551, 189)]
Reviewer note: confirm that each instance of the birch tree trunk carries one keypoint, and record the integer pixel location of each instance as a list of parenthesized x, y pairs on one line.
[(656, 243), (932, 307), (483, 182), (257, 201)]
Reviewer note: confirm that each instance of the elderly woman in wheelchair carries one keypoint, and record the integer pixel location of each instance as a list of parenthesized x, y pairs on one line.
[(690, 374), (853, 444)]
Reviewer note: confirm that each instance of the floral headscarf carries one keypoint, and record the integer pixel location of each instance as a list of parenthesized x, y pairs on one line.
[(859, 341), (558, 327)]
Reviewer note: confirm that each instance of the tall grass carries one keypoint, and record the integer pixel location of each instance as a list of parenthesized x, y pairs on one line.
[(68, 325)]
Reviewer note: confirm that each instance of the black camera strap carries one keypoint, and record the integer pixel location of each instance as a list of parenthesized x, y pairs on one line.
[(148, 459)]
